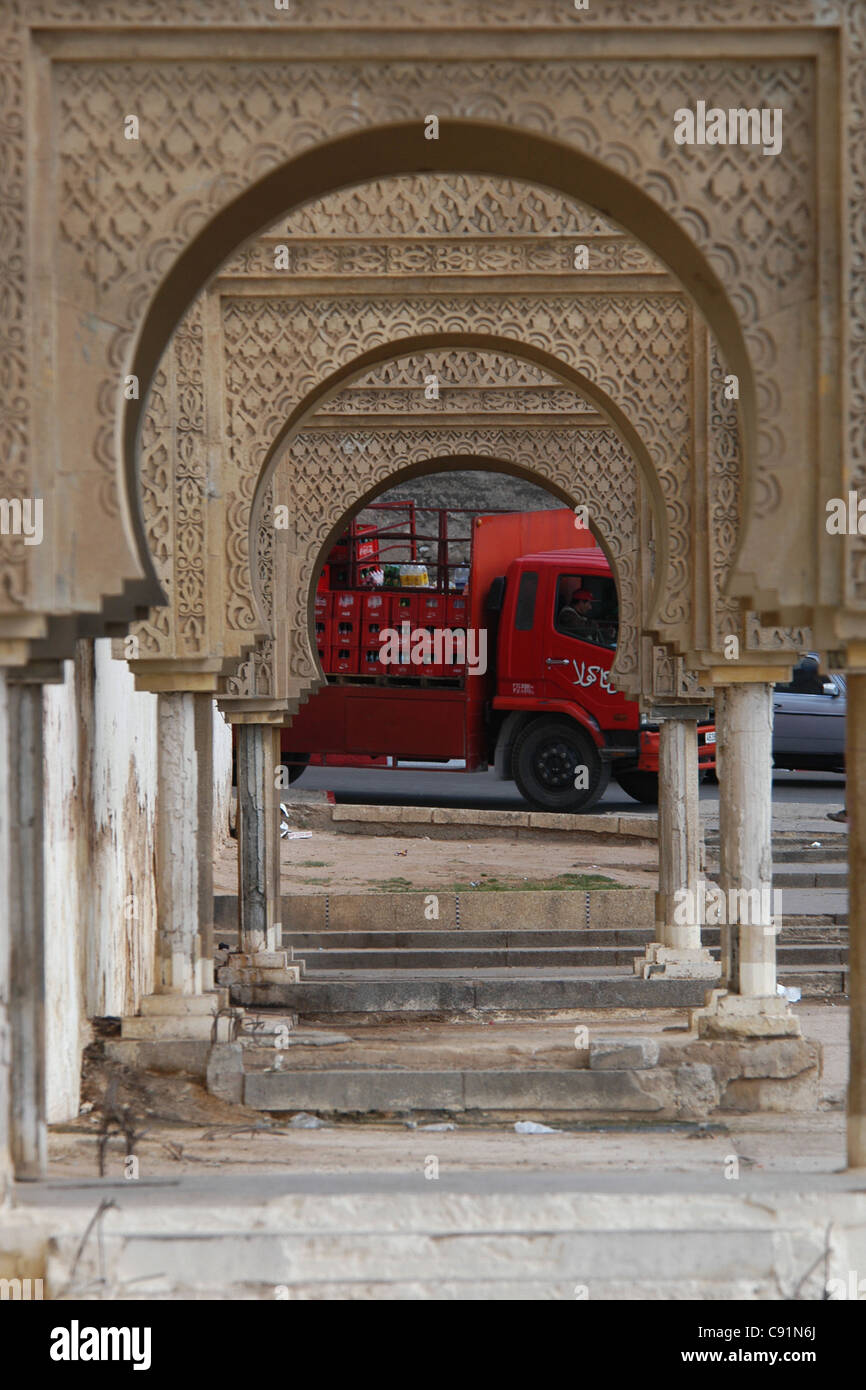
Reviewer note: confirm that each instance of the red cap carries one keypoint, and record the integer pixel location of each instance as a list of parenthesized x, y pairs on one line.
[(579, 595)]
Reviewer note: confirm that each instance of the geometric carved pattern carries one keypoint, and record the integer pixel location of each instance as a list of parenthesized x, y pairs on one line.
[(633, 347), (227, 123), (223, 123)]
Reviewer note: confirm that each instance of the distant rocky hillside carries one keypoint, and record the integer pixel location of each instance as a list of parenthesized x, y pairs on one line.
[(475, 489)]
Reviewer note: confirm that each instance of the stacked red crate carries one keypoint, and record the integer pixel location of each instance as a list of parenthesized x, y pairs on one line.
[(323, 626), (369, 663), (458, 615), (344, 660), (404, 609), (346, 618), (376, 617)]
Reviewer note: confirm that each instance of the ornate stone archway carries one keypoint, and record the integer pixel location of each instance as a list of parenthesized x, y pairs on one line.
[(754, 271), (553, 456)]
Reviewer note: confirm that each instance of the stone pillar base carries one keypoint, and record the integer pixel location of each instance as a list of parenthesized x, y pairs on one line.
[(260, 968), (181, 1017), (745, 1016), (676, 963)]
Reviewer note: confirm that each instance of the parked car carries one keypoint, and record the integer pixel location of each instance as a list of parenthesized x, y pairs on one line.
[(809, 719)]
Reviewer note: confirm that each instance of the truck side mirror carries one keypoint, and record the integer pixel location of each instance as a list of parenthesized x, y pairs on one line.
[(831, 688)]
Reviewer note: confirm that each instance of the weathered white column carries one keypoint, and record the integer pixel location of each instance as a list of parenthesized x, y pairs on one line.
[(183, 1008), (748, 1006), (178, 943), (260, 963), (676, 951), (258, 839), (26, 916), (5, 950), (855, 802), (204, 832)]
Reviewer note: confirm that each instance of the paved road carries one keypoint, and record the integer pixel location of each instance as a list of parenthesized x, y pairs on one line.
[(483, 791)]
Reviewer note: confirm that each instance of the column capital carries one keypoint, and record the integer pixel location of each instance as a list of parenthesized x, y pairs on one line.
[(751, 675)]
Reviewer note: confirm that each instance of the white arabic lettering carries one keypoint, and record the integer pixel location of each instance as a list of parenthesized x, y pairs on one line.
[(589, 675)]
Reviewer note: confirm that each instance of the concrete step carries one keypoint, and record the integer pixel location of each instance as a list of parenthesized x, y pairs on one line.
[(469, 958), (658, 1092), (817, 928), (811, 876), (816, 981), (560, 957), (801, 850), (494, 1235), (305, 943), (825, 875), (395, 993)]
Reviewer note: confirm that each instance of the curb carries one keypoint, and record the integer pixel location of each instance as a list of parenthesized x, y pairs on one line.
[(452, 823)]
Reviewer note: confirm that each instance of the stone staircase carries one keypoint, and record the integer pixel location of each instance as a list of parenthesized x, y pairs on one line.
[(355, 973)]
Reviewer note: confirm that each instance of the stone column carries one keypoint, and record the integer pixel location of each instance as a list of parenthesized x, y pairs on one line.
[(183, 1008), (258, 839), (178, 945), (748, 1006), (260, 963), (677, 951), (204, 832), (855, 801), (25, 898)]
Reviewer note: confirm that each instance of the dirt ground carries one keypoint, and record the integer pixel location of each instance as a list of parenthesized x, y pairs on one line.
[(334, 862), (180, 1129)]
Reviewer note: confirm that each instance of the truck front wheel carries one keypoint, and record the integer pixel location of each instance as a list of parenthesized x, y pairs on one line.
[(557, 767), (643, 786)]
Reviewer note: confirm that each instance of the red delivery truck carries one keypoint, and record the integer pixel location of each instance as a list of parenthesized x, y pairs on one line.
[(510, 670)]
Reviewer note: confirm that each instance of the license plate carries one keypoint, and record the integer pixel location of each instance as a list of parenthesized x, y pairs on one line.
[(710, 737)]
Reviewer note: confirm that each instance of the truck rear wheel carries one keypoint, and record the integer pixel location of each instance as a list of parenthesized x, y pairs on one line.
[(547, 757), (643, 786)]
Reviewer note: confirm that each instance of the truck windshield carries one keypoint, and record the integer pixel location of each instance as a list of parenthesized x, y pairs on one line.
[(587, 609)]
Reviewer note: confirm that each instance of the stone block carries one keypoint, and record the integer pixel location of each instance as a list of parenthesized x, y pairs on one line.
[(178, 1005), (377, 814), (622, 907), (181, 1027), (743, 1016), (698, 1091), (354, 1091), (590, 825), (232, 975), (165, 1055), (754, 1074), (678, 963), (772, 1094), (622, 1053), (225, 1072), (451, 816), (646, 827)]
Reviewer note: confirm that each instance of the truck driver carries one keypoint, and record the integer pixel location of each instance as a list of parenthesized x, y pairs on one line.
[(573, 615)]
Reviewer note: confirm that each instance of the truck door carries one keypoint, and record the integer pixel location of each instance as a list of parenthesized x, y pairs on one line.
[(580, 629)]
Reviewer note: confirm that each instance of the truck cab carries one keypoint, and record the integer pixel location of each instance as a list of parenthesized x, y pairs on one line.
[(566, 728)]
